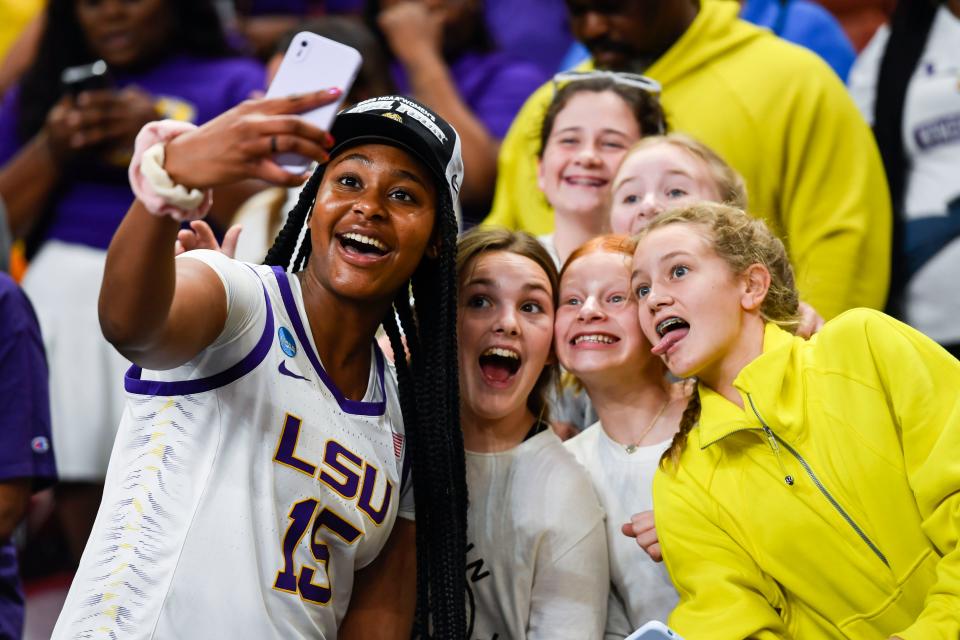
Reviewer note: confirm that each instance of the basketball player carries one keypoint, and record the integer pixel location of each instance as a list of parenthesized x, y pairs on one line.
[(258, 486)]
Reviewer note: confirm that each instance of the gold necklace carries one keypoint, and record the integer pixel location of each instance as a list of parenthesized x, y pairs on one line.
[(632, 447)]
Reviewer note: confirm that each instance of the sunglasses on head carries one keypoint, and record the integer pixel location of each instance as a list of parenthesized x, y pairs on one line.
[(636, 80)]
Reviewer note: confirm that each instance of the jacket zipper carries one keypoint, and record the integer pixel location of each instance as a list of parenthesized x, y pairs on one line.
[(773, 439)]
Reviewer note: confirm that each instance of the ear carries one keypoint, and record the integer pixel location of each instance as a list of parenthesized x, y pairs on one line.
[(756, 282), (540, 179)]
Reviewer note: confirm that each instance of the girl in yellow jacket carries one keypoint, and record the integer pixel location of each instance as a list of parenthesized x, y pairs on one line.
[(813, 490)]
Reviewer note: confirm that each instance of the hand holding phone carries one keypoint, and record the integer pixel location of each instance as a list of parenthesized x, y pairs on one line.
[(239, 143), (312, 63)]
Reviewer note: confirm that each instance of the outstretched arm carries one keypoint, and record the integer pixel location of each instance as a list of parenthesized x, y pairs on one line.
[(159, 313)]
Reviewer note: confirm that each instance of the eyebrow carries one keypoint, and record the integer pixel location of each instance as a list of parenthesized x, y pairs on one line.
[(404, 174), (665, 258), (579, 128), (489, 282), (359, 157), (672, 172), (395, 172)]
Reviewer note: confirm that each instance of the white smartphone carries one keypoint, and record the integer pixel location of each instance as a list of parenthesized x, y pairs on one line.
[(312, 63), (654, 630)]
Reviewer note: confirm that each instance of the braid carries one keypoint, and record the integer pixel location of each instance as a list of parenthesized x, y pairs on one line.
[(306, 245), (281, 253), (691, 415), (429, 393), (438, 460)]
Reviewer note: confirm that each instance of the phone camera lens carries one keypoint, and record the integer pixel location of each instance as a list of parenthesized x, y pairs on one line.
[(303, 44)]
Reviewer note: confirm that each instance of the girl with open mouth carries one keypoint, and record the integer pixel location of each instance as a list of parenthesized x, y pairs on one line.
[(812, 489), (598, 340), (272, 476), (537, 557)]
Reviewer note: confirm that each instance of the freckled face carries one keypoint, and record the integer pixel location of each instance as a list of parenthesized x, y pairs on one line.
[(505, 330), (689, 301), (372, 222), (589, 138), (597, 328), (656, 179)]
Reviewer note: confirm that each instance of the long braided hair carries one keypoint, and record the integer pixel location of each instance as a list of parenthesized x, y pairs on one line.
[(429, 400)]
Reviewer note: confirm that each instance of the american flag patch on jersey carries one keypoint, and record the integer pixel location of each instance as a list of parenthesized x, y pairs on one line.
[(397, 444)]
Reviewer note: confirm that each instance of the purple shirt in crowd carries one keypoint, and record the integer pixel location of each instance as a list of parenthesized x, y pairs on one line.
[(493, 85), (534, 30), (94, 196), (25, 449)]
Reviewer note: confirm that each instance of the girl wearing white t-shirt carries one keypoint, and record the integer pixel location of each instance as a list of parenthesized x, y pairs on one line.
[(598, 339), (536, 553)]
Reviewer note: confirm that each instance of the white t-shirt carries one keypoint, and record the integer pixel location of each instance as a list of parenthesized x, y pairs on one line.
[(244, 490), (931, 138), (624, 483), (536, 554)]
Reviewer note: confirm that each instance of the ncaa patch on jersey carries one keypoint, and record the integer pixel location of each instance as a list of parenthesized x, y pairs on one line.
[(40, 444), (287, 344)]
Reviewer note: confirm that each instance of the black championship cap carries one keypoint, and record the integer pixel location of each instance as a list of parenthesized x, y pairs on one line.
[(409, 125)]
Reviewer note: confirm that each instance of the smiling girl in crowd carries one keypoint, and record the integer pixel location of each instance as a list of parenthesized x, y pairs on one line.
[(598, 339), (537, 557), (259, 483), (587, 129), (812, 490)]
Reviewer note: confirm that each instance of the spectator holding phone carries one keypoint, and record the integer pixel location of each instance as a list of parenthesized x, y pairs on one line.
[(63, 178)]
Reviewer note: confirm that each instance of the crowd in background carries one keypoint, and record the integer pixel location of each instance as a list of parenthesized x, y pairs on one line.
[(836, 122)]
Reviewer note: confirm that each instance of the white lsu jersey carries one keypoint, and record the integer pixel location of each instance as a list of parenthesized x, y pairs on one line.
[(244, 490)]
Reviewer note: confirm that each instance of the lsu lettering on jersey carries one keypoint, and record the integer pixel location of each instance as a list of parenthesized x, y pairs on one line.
[(244, 490)]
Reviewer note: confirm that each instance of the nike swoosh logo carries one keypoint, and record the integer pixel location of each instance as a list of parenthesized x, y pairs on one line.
[(286, 372)]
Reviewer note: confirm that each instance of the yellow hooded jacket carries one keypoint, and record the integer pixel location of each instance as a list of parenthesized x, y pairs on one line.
[(830, 506), (782, 118)]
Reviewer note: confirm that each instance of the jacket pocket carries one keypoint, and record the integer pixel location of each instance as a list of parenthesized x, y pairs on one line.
[(902, 607)]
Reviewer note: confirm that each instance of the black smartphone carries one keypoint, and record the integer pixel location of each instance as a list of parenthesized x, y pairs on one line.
[(86, 77)]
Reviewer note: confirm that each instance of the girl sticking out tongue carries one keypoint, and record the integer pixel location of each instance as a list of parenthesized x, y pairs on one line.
[(812, 490)]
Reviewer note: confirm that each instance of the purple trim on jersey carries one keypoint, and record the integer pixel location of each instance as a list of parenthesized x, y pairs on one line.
[(133, 384), (355, 407)]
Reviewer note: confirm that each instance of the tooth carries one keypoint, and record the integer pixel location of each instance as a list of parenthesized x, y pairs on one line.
[(593, 338), (503, 353), (365, 240)]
